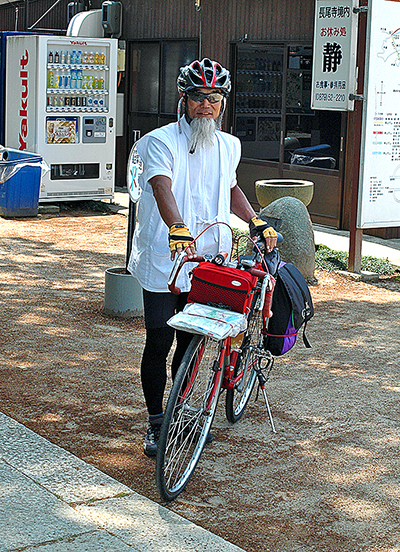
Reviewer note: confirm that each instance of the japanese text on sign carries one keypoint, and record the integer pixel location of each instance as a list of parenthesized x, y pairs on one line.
[(333, 12), (333, 77)]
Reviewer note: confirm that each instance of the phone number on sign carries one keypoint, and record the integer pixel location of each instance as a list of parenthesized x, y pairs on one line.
[(324, 97)]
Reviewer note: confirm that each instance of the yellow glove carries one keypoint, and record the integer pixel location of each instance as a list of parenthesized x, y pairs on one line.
[(179, 237), (259, 227)]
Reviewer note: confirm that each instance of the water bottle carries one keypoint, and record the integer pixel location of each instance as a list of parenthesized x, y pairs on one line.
[(73, 78), (50, 79)]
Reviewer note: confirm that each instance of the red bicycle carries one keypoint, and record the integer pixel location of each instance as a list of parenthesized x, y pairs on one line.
[(209, 367)]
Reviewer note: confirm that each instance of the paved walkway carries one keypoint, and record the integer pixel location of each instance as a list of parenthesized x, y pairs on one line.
[(52, 501)]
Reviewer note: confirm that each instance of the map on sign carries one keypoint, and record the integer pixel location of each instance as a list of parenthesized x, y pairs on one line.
[(390, 47), (379, 204)]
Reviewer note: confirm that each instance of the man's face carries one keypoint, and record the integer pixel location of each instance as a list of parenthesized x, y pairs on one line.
[(204, 109)]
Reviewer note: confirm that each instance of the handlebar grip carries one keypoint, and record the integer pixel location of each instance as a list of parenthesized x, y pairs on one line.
[(257, 272), (260, 243), (267, 312), (174, 289)]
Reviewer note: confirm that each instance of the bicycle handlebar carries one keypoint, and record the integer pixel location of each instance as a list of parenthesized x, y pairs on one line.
[(183, 258)]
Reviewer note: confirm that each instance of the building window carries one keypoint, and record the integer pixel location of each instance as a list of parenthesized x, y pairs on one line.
[(271, 106)]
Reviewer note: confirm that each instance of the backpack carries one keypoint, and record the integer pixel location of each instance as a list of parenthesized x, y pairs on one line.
[(292, 307)]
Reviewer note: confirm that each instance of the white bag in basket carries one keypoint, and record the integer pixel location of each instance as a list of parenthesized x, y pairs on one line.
[(211, 321)]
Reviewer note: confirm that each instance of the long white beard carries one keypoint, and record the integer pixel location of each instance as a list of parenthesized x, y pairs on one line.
[(203, 133)]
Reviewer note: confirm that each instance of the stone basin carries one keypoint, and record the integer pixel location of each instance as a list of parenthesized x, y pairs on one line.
[(268, 191)]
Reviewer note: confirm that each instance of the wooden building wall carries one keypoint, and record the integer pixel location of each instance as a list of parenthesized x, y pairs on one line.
[(221, 21), (13, 20)]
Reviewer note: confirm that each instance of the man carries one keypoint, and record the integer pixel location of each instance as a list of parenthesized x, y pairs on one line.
[(188, 182)]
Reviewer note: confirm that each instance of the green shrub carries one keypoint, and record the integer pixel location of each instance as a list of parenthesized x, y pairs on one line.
[(330, 260)]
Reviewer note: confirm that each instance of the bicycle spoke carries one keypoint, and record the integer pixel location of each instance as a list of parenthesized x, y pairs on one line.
[(188, 416)]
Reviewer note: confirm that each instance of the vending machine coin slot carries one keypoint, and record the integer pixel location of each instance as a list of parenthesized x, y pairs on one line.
[(94, 129)]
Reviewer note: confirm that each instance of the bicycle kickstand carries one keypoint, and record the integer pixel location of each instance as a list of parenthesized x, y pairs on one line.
[(261, 384)]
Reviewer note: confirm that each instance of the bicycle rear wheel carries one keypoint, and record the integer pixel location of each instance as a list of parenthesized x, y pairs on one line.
[(188, 416), (244, 372)]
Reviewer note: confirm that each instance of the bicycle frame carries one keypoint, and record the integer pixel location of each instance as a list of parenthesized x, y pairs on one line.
[(229, 355)]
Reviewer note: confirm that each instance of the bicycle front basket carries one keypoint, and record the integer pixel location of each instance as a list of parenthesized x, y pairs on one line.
[(222, 286)]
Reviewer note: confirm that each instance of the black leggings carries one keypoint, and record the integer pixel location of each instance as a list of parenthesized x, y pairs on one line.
[(158, 308)]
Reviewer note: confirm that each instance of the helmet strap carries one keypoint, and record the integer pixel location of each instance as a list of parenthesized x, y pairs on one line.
[(181, 100), (221, 113)]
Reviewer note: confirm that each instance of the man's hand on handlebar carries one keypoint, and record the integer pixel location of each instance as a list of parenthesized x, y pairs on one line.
[(179, 238), (259, 228)]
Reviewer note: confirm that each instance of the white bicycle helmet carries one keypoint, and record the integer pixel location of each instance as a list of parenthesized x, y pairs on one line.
[(204, 74)]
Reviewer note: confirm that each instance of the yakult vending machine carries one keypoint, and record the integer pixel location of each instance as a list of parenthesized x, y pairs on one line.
[(61, 102)]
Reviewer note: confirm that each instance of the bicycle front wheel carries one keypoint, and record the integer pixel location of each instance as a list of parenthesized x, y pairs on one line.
[(245, 375), (188, 416)]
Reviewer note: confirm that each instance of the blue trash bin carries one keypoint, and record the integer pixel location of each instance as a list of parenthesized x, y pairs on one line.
[(20, 174)]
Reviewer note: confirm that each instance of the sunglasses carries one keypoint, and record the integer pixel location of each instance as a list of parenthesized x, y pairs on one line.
[(199, 97)]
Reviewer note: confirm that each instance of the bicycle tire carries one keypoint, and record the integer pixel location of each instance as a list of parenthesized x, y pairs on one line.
[(237, 398), (188, 416)]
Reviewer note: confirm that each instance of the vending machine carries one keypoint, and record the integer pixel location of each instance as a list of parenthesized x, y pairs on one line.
[(60, 101)]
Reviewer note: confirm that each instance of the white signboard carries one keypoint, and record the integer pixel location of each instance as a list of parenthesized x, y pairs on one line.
[(379, 191), (334, 55)]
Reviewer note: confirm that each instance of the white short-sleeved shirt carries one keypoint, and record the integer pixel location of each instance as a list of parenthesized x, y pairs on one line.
[(201, 184)]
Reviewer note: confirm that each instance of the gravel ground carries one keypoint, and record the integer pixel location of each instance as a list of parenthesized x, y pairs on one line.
[(328, 480)]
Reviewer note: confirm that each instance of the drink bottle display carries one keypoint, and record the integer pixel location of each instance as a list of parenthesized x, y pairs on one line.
[(82, 71)]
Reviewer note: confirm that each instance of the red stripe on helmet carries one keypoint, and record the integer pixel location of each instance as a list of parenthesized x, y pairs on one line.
[(214, 74), (200, 70)]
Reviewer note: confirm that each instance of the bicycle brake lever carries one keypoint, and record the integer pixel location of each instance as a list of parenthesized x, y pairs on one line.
[(176, 267)]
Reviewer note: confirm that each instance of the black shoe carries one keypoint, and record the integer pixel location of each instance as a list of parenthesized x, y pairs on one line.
[(151, 440)]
